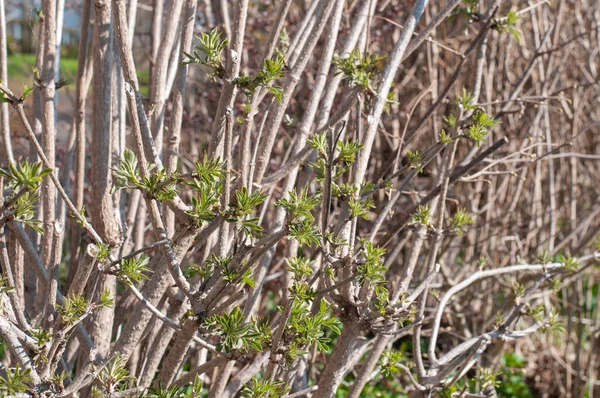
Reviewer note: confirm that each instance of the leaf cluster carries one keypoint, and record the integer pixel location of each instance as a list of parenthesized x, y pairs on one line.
[(206, 181), (300, 267), (306, 329), (421, 216), (299, 206), (230, 275), (16, 381), (460, 221), (372, 271), (25, 175), (272, 70), (73, 308), (481, 123), (193, 390), (347, 151), (209, 52), (390, 362), (236, 333), (159, 184), (359, 69), (115, 376), (264, 389), (132, 269), (509, 24), (415, 158), (42, 338), (241, 210), (23, 211)]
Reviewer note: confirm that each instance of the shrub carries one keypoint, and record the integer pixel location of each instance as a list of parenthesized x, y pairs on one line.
[(311, 200)]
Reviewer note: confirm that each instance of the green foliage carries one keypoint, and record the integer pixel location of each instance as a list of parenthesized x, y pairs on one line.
[(235, 333), (264, 389), (244, 206), (320, 169), (481, 122), (204, 207), (383, 389), (347, 151), (501, 25), (444, 138), (465, 101), (193, 390), (460, 221), (415, 158), (103, 252), (319, 142), (302, 292), (4, 286), (82, 214), (543, 257), (390, 362), (25, 175), (16, 381), (284, 41), (159, 184), (106, 300), (248, 280), (127, 173), (373, 270), (488, 378), (552, 323), (24, 209), (114, 376), (272, 70), (246, 202), (381, 302), (300, 267), (208, 172), (308, 329), (206, 180), (537, 312), (509, 24), (470, 9), (448, 392), (306, 233), (512, 377), (360, 208), (58, 378), (422, 216), (209, 52), (3, 98), (259, 334), (294, 352), (230, 275), (344, 190), (571, 264), (27, 90), (450, 120), (299, 205), (518, 290), (359, 69), (42, 339), (134, 269), (73, 308)]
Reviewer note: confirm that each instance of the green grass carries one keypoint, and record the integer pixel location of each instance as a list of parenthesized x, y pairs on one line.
[(20, 70), (20, 67)]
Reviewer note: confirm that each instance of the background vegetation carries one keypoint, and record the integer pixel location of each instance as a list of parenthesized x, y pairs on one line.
[(346, 198)]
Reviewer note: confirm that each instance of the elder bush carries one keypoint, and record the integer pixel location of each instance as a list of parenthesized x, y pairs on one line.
[(316, 198)]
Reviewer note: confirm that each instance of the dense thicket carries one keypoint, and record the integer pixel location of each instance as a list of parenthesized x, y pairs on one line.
[(303, 198)]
